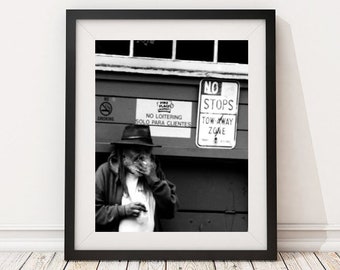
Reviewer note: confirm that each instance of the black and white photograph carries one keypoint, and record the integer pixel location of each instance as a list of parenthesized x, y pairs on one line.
[(171, 135), (171, 132)]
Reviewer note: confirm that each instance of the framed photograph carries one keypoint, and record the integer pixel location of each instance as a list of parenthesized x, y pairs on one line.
[(170, 135)]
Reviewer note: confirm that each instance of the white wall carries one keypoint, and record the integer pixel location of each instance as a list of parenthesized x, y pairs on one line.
[(32, 116)]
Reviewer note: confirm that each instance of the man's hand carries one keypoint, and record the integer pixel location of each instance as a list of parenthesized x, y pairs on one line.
[(148, 169), (134, 209)]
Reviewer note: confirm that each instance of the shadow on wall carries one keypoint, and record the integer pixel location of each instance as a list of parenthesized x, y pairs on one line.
[(300, 198)]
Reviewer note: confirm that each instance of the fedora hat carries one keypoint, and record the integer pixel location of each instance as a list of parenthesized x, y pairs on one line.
[(136, 135)]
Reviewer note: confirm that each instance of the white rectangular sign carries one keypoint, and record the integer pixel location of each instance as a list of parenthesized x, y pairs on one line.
[(166, 118), (217, 114)]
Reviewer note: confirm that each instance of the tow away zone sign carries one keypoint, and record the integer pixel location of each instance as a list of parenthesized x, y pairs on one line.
[(217, 114)]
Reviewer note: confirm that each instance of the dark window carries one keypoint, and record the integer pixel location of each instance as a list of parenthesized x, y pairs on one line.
[(202, 50), (153, 48), (233, 51), (120, 47)]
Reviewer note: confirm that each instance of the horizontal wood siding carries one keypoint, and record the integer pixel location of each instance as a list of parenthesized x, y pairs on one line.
[(198, 180), (205, 222), (124, 111), (122, 90), (188, 92), (132, 77), (212, 194), (107, 133)]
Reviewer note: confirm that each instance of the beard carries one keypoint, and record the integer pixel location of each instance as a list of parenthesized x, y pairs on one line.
[(131, 167)]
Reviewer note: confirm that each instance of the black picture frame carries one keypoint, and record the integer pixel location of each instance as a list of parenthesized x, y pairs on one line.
[(71, 253)]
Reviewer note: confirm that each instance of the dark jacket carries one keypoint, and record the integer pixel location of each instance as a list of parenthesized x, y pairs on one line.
[(109, 193)]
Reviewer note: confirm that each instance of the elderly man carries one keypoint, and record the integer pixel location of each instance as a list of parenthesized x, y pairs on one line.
[(132, 192)]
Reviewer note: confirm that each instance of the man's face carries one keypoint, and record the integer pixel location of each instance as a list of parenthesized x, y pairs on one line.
[(136, 155)]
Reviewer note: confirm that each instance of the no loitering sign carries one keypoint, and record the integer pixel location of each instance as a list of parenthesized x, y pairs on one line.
[(217, 114)]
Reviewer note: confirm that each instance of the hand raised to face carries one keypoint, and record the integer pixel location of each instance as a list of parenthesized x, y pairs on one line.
[(137, 159), (146, 167)]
